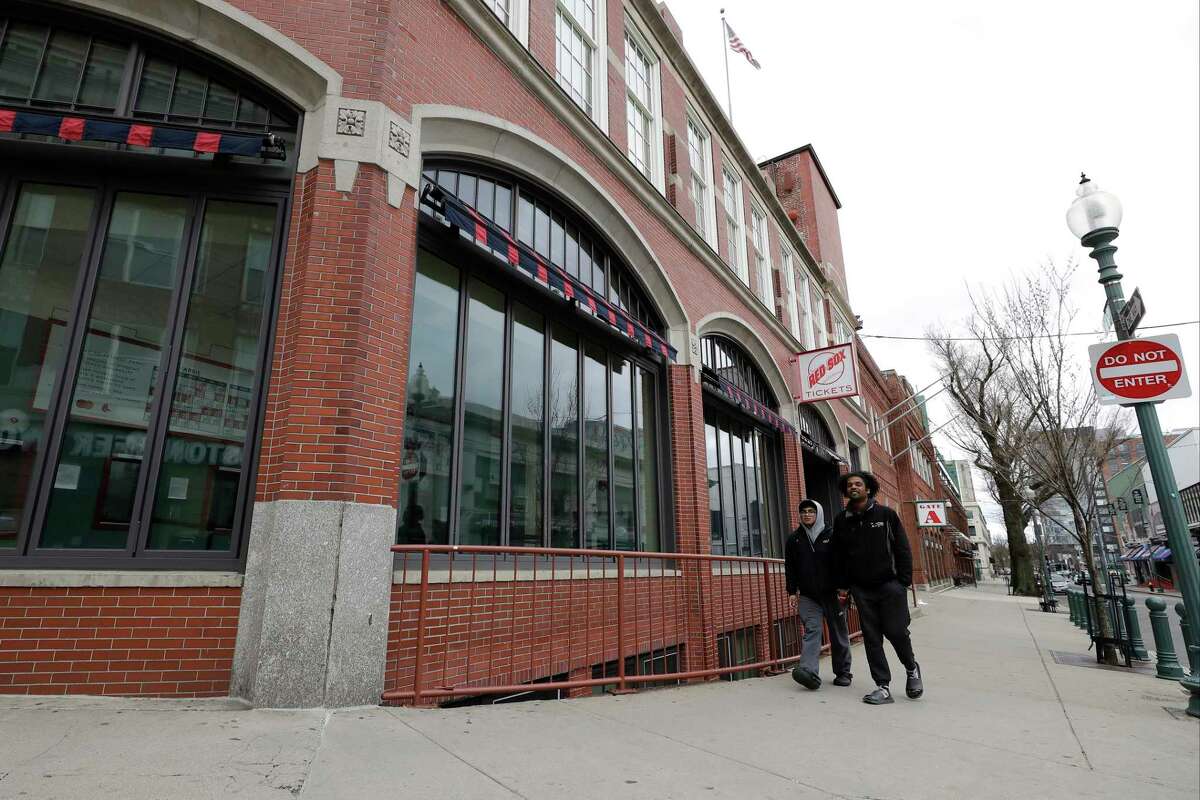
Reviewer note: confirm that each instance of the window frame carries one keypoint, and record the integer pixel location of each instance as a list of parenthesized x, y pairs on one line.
[(518, 18), (822, 335), (598, 41), (787, 266), (708, 209), (735, 223), (125, 173), (655, 160), (762, 255)]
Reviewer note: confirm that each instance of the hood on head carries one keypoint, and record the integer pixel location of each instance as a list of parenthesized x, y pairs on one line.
[(819, 525)]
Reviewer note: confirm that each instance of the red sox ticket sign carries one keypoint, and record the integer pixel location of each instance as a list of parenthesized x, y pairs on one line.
[(827, 373), (1139, 370)]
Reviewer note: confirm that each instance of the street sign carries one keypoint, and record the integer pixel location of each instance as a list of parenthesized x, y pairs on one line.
[(931, 514), (1132, 312), (1139, 499), (1122, 505), (827, 373), (1139, 370)]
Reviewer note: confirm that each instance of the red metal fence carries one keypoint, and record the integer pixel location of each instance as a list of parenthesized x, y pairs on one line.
[(468, 621)]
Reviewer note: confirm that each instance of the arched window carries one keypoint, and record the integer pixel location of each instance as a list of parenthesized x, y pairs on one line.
[(527, 424), (814, 427), (726, 358), (742, 454), (135, 293), (90, 69)]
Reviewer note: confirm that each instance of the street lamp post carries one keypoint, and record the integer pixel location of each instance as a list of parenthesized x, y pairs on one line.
[(1095, 218)]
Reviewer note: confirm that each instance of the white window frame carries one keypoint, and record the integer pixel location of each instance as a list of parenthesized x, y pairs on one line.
[(787, 265), (805, 301), (704, 170), (762, 254), (860, 442), (597, 39), (735, 222), (518, 17), (822, 337), (655, 165)]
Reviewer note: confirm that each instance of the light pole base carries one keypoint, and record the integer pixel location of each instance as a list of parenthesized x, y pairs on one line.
[(1192, 684)]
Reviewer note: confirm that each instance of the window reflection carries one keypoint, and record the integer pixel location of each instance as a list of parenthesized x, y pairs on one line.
[(743, 471), (119, 374), (39, 268), (479, 487), (526, 462), (624, 514)]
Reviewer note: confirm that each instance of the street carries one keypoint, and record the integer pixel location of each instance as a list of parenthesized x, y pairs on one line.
[(1006, 714), (1144, 622)]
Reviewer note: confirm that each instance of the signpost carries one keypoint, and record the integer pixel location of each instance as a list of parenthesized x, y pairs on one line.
[(827, 373), (1139, 371), (1132, 312), (931, 514)]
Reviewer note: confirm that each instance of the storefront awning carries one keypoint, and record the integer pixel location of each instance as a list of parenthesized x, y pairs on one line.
[(746, 403), (1135, 553), (516, 255), (90, 128)]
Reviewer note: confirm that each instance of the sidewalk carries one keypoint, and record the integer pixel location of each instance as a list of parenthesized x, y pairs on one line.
[(1000, 719)]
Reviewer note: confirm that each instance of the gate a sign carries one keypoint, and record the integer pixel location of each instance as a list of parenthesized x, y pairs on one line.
[(827, 373), (931, 514), (1139, 370)]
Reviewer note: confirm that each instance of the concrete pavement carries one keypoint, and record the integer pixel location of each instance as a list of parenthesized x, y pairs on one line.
[(1001, 718)]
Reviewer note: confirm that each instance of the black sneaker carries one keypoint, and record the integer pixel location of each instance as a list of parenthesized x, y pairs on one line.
[(913, 687), (881, 696), (843, 680), (806, 678)]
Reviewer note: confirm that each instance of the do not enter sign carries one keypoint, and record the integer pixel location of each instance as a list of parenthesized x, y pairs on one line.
[(1139, 370)]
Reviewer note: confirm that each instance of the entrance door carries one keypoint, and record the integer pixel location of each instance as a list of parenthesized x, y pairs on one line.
[(820, 482)]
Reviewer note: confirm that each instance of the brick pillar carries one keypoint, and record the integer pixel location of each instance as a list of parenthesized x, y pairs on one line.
[(793, 471), (318, 572), (692, 524)]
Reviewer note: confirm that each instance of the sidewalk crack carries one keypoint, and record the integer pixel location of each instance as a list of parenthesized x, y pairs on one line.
[(453, 754), (298, 791), (1057, 695)]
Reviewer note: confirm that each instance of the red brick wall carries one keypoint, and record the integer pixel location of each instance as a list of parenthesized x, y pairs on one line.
[(118, 641)]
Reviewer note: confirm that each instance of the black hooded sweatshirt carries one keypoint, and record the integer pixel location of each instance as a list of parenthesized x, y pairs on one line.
[(809, 562), (871, 547)]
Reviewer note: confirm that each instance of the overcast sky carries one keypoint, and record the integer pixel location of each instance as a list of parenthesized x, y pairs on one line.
[(954, 134)]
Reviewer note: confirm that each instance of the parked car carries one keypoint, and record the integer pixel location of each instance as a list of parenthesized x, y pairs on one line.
[(1059, 582)]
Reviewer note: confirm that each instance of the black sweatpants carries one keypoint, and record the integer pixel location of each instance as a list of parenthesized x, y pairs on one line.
[(883, 612)]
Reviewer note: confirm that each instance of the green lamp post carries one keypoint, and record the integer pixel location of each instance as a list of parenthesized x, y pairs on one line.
[(1095, 218)]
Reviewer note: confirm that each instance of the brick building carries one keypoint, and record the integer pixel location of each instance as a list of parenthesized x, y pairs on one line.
[(285, 283)]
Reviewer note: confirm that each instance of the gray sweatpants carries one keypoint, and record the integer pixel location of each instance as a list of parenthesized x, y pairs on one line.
[(812, 612)]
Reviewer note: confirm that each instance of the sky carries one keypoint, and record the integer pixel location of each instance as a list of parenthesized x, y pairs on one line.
[(954, 134)]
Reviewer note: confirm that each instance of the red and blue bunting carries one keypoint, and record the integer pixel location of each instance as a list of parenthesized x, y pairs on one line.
[(745, 402), (517, 255), (92, 129)]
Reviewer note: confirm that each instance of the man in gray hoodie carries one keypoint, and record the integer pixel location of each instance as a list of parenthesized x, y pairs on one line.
[(809, 563)]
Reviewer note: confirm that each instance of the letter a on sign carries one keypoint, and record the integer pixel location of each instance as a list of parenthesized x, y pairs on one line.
[(931, 514)]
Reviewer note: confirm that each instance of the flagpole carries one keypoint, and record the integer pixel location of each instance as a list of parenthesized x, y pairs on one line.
[(725, 50)]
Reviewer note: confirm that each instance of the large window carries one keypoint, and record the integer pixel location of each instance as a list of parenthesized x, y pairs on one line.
[(137, 407), (514, 14), (762, 256), (700, 187), (643, 121), (734, 228), (527, 427), (579, 35), (742, 457), (104, 72)]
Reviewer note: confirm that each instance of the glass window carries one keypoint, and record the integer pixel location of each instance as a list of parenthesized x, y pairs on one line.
[(483, 420), (62, 65), (500, 9), (818, 315), (743, 469), (700, 189), (735, 238), (99, 462), (647, 455), (20, 55), (526, 462), (39, 268), (624, 508), (197, 484), (715, 488), (564, 439), (789, 281), (575, 35), (424, 506), (762, 256), (595, 445), (639, 106)]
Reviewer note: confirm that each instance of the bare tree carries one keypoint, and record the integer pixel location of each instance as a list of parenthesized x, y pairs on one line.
[(1071, 434), (993, 419)]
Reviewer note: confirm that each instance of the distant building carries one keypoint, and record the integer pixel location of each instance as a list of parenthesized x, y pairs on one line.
[(962, 476)]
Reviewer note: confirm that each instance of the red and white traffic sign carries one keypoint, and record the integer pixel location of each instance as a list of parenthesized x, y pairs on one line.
[(1139, 370)]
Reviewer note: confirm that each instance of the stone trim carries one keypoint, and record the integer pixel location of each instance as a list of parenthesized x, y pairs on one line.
[(157, 579), (441, 575)]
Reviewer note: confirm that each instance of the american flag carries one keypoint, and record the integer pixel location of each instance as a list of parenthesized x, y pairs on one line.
[(736, 45)]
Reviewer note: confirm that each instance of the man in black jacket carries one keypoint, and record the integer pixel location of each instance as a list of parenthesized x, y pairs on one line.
[(808, 559), (874, 559)]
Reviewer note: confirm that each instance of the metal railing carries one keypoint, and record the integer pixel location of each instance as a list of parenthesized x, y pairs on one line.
[(475, 620)]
